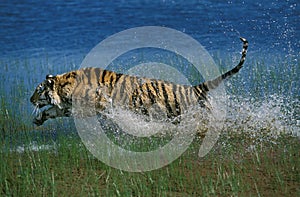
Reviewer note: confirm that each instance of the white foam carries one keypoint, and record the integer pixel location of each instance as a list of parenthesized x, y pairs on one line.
[(35, 147)]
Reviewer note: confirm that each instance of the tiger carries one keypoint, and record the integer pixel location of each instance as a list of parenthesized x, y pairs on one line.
[(100, 89)]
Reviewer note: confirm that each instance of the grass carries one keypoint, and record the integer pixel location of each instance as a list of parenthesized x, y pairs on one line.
[(240, 164), (70, 169)]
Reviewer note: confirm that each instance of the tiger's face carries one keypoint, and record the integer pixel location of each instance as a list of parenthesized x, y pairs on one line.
[(54, 95), (46, 94)]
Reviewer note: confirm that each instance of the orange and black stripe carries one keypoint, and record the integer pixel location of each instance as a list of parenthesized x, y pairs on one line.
[(139, 94)]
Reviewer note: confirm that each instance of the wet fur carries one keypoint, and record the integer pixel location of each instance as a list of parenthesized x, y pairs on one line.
[(98, 88)]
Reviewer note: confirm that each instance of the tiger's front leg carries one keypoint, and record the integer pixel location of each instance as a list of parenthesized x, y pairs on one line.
[(52, 112)]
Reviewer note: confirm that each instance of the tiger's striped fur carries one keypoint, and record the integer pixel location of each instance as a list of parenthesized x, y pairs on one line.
[(98, 89)]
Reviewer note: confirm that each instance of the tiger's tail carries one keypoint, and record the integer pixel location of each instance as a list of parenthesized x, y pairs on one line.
[(209, 85)]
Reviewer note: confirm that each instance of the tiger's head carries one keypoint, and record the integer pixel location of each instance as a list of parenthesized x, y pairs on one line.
[(46, 93), (54, 95)]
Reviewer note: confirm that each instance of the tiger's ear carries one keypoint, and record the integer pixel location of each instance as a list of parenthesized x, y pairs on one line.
[(50, 76)]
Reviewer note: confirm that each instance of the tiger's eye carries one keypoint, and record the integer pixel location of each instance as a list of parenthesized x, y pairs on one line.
[(40, 88)]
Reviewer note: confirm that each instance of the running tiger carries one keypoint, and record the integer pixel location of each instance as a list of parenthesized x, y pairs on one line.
[(99, 89)]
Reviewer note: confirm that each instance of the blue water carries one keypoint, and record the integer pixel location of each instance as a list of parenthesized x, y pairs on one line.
[(56, 35), (80, 25)]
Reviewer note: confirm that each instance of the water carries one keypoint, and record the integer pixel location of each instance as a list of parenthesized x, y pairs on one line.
[(58, 26), (38, 38)]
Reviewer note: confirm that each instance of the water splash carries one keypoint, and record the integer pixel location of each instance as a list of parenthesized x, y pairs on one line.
[(263, 119), (158, 125)]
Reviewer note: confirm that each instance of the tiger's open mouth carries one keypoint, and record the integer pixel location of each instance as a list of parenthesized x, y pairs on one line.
[(38, 110)]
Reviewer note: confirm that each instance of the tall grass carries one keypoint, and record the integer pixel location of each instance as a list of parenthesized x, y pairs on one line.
[(70, 169)]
